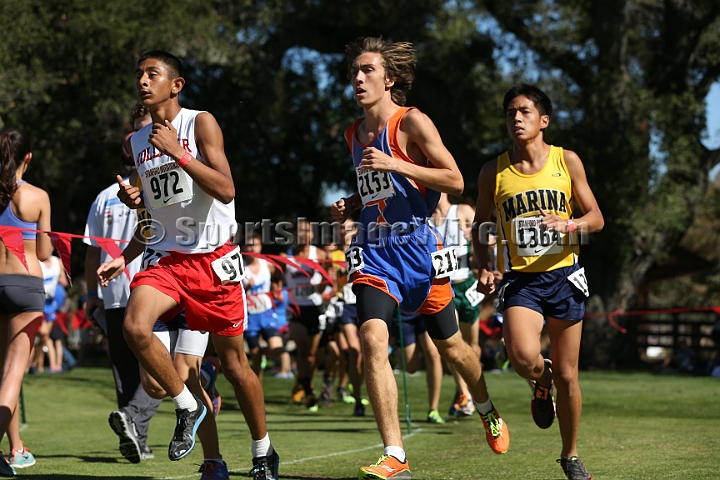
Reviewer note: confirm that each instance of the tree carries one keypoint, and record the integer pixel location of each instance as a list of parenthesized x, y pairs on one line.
[(67, 79), (638, 74)]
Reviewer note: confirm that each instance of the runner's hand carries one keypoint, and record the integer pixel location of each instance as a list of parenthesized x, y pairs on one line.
[(339, 211), (110, 270), (129, 195), (486, 283), (378, 161), (552, 223), (164, 137), (90, 306)]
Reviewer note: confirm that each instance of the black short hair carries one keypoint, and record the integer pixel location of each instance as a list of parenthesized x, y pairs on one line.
[(172, 63), (542, 102)]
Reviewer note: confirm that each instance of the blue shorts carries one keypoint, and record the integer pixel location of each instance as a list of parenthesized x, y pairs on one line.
[(401, 266), (178, 322), (548, 293), (349, 314), (413, 327), (268, 323)]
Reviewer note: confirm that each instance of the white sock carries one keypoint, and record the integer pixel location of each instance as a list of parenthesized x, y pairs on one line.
[(185, 400), (261, 448), (396, 452), (485, 407)]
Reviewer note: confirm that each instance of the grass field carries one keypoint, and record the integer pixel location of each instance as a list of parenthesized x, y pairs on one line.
[(635, 425)]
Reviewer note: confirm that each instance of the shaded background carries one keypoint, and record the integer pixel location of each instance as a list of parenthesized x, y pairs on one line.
[(629, 78)]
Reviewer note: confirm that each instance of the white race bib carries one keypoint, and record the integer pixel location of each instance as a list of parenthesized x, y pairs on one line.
[(348, 294), (532, 241), (445, 262), (473, 296), (354, 259), (307, 292), (229, 267), (151, 257), (168, 185), (578, 279), (258, 303), (373, 185)]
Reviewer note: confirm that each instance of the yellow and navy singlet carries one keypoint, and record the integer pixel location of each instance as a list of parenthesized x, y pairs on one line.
[(523, 246)]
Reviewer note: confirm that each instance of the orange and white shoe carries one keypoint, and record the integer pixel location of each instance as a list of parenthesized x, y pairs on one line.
[(388, 467), (496, 431), (297, 394)]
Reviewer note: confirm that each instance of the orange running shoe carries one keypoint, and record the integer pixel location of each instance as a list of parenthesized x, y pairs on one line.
[(496, 431), (388, 467), (298, 394)]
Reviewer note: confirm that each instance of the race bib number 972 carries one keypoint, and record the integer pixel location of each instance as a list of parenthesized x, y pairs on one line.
[(151, 257), (229, 267), (168, 185)]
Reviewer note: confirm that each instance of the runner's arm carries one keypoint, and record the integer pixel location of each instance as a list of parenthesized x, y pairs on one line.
[(43, 244), (483, 210), (112, 269), (592, 219)]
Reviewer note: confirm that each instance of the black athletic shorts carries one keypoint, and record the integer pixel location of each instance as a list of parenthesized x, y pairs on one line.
[(21, 293), (309, 318), (374, 303)]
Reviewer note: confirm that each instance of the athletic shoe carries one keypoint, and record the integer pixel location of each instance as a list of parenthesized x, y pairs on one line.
[(574, 468), (365, 401), (284, 376), (146, 452), (183, 440), (433, 416), (297, 394), (311, 403), (496, 432), (542, 405), (326, 395), (359, 410), (21, 458), (386, 468), (125, 428), (344, 394), (214, 470), (464, 406), (5, 469), (265, 468), (211, 367)]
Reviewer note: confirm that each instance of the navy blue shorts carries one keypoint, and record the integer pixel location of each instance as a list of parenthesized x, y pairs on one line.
[(413, 327), (548, 293), (178, 322), (349, 314)]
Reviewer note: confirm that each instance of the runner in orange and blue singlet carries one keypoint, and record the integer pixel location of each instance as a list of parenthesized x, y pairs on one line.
[(397, 250), (396, 258)]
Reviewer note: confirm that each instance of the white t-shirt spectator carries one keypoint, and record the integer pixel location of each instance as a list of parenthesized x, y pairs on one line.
[(110, 218)]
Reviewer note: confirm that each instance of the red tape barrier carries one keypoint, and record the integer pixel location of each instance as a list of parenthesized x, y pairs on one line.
[(620, 313)]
